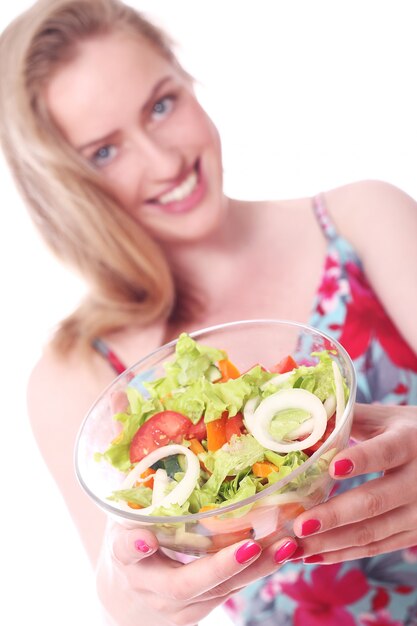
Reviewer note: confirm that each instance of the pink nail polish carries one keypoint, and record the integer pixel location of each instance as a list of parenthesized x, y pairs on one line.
[(343, 467), (310, 526), (141, 546), (285, 551), (297, 554), (247, 552), (314, 558)]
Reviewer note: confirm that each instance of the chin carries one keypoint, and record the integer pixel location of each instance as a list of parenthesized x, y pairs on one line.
[(197, 225)]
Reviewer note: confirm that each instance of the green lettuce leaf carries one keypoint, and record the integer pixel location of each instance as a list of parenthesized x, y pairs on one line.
[(319, 379), (286, 421), (237, 455), (139, 495)]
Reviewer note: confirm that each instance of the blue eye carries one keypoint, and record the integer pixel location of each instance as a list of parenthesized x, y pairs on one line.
[(162, 107), (104, 155)]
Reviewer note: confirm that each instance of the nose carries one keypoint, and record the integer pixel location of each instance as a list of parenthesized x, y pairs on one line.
[(161, 161)]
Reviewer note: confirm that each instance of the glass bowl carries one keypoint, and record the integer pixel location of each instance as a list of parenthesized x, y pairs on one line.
[(267, 515)]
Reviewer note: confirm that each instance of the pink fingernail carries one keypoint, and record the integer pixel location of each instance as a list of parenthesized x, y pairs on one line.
[(285, 551), (297, 554), (314, 558), (343, 467), (247, 552), (141, 546), (310, 526)]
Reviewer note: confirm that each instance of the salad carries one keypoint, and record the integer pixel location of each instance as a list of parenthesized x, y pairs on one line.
[(206, 436)]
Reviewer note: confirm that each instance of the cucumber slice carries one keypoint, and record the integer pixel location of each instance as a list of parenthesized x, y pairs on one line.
[(172, 465)]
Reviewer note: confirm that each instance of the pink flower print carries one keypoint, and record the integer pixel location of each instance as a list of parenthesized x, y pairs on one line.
[(321, 602), (380, 618), (273, 585), (366, 319), (235, 606), (410, 554), (332, 285)]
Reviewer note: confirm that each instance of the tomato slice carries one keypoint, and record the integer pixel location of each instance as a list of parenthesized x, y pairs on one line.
[(197, 431), (159, 430), (285, 365), (234, 426)]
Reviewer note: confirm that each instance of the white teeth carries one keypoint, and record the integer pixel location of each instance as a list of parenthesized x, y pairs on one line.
[(180, 192)]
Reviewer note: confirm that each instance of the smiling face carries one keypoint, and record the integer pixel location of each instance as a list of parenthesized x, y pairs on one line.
[(134, 116)]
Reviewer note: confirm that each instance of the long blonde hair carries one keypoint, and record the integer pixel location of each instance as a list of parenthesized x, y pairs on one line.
[(128, 276)]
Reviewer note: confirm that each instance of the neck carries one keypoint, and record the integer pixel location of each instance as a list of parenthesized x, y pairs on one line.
[(206, 268)]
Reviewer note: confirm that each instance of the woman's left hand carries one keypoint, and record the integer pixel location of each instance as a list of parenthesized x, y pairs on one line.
[(380, 515)]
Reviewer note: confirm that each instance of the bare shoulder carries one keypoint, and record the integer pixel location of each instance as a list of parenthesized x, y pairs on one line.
[(61, 389), (371, 204), (380, 221)]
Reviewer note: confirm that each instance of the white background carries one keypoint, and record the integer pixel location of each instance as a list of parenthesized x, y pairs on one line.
[(307, 96)]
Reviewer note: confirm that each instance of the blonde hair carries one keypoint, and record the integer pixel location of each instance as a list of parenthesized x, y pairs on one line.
[(128, 276)]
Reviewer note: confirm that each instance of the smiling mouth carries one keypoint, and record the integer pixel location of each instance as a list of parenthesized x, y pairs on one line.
[(182, 191)]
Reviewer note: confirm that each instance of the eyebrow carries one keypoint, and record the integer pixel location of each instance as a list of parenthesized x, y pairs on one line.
[(146, 106)]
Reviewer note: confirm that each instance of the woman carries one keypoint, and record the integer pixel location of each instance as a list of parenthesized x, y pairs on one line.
[(122, 171)]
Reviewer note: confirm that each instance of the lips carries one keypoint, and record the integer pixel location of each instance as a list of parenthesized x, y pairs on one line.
[(184, 195)]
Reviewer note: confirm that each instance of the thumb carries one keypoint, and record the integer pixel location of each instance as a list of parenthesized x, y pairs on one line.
[(129, 546)]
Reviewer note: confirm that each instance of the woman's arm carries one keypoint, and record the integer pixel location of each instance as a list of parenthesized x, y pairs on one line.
[(60, 392)]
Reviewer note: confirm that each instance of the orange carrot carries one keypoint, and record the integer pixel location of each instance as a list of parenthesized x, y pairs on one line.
[(208, 507), (133, 505), (264, 468), (216, 433), (196, 447), (149, 482), (228, 370)]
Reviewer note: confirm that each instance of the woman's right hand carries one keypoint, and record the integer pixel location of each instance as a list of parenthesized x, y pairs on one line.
[(137, 584)]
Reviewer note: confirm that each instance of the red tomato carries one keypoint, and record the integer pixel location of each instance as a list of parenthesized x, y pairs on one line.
[(329, 429), (197, 431), (159, 430), (285, 365), (234, 426)]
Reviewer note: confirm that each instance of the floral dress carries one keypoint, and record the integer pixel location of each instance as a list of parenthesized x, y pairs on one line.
[(378, 591)]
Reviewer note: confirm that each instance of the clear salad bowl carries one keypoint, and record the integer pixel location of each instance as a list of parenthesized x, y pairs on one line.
[(266, 515)]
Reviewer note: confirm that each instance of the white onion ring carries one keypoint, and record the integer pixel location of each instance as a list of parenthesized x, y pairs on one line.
[(287, 399), (181, 492)]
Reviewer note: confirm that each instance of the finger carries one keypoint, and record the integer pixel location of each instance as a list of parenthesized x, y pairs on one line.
[(193, 613), (366, 501), (394, 447), (130, 546), (400, 541), (362, 534), (198, 577), (271, 559)]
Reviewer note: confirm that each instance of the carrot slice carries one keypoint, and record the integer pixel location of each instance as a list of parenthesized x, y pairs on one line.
[(133, 505), (197, 448), (148, 472), (208, 507), (228, 370), (216, 433), (264, 468)]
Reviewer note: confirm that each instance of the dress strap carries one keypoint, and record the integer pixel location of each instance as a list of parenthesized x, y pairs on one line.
[(102, 348), (325, 221)]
